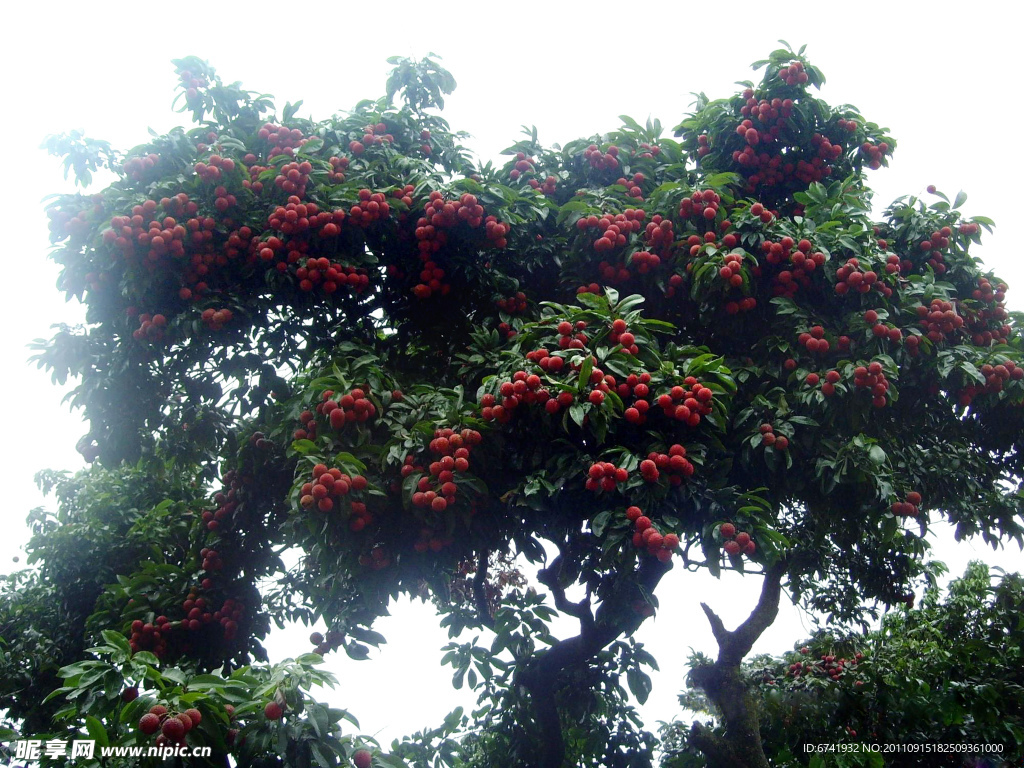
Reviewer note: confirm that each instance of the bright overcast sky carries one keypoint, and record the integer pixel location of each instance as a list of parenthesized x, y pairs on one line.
[(945, 84)]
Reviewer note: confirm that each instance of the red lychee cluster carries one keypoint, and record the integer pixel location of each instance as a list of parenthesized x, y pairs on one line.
[(161, 237), (373, 135), (548, 187), (874, 153), (730, 270), (328, 484), (157, 635), (404, 194), (338, 167), (850, 277), (612, 229), (570, 337), (829, 666), (151, 327), (674, 463), (371, 207), (282, 140), (880, 330), (605, 476), (137, 167), (437, 490), (522, 165), (172, 727), (523, 388), (605, 161), (635, 386), (872, 378), (325, 643), (987, 325), (659, 235), (736, 543), (216, 319), (212, 171), (940, 320), (620, 335), (354, 406), (329, 276), (793, 74), (646, 536), (296, 216), (255, 171), (814, 340), (909, 506), (513, 305), (996, 377), (632, 185), (688, 402), (292, 177), (701, 204), (770, 440)]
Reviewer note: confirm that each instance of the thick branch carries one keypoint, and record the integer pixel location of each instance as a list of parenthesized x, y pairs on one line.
[(549, 577), (540, 676), (483, 610), (733, 646), (722, 682)]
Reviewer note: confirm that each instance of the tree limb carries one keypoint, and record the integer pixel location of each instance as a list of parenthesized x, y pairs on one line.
[(483, 610)]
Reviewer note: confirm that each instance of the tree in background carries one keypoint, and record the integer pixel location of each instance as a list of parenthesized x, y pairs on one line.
[(948, 672), (612, 358)]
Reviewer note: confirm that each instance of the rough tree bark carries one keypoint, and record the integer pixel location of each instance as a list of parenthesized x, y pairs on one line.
[(721, 682), (540, 676)]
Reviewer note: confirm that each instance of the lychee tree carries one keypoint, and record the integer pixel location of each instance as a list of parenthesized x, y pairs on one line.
[(610, 358), (946, 672)]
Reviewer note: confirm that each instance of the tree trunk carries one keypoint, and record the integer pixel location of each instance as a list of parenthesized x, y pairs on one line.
[(740, 747), (540, 674)]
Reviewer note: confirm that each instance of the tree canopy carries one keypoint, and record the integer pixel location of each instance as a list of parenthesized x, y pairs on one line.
[(349, 339)]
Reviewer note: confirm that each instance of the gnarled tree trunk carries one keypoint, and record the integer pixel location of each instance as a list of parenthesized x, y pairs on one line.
[(740, 747)]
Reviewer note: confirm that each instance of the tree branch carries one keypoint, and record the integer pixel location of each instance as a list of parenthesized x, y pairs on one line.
[(540, 676), (549, 577), (483, 610), (742, 639)]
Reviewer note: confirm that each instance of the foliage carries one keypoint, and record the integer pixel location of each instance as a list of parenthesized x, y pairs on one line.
[(948, 672), (603, 358)]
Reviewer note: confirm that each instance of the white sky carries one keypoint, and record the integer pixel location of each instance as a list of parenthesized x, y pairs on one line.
[(945, 83)]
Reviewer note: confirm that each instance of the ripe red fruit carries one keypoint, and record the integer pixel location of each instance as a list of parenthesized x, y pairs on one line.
[(149, 723), (362, 758), (273, 711), (597, 397), (914, 498), (732, 548), (742, 538), (728, 530), (195, 716), (619, 326), (173, 729)]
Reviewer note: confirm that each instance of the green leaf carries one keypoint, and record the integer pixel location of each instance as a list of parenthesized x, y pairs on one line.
[(639, 684), (585, 370), (600, 522), (96, 731)]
